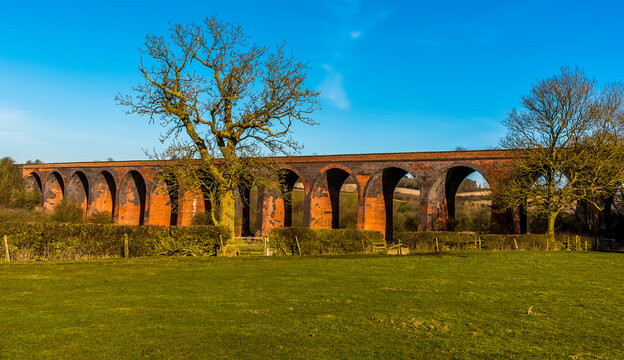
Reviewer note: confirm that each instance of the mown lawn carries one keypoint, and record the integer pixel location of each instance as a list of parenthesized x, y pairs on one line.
[(461, 305)]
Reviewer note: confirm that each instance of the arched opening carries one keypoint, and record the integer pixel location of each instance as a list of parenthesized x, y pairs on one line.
[(348, 204), (379, 200), (53, 192), (248, 198), (293, 191), (472, 205), (406, 205), (164, 205), (132, 194), (103, 195), (33, 183), (197, 204), (326, 210), (78, 191), (173, 190)]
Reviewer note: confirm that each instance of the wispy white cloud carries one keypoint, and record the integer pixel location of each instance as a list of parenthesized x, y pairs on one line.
[(352, 18), (332, 88), (351, 21)]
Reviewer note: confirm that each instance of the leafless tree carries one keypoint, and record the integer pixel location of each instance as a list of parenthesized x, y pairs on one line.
[(223, 101), (570, 136)]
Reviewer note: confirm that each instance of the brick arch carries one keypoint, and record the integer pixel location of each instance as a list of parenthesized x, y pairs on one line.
[(103, 194), (378, 171), (53, 191), (325, 196), (378, 198), (33, 183), (78, 190), (132, 199), (336, 166), (442, 193), (288, 183), (440, 173), (306, 182)]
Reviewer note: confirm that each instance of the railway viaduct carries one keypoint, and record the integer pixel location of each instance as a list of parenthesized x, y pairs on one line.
[(134, 194)]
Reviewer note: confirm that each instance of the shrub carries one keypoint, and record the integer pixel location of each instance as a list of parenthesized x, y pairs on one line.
[(322, 241), (54, 241), (202, 218), (23, 215), (101, 217), (68, 212)]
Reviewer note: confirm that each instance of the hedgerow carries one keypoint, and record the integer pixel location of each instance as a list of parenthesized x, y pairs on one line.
[(322, 241), (54, 241), (426, 241)]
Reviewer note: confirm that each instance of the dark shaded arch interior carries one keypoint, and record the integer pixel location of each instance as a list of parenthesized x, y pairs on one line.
[(84, 182), (207, 187), (142, 190), (173, 190), (389, 180), (112, 187), (335, 179), (245, 194), (59, 179), (36, 186), (37, 180), (454, 177), (289, 179)]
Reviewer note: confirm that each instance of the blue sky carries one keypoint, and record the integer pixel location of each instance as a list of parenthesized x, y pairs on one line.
[(394, 75)]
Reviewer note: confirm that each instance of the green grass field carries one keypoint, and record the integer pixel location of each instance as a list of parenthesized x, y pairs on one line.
[(487, 305)]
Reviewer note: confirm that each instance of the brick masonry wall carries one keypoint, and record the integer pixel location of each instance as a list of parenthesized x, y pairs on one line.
[(136, 195)]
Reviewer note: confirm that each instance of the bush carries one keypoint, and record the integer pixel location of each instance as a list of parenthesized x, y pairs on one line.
[(23, 215), (425, 241), (202, 218), (322, 241), (68, 212), (54, 241), (101, 217)]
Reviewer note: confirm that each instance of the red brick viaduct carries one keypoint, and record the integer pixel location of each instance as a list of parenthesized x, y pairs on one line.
[(134, 194)]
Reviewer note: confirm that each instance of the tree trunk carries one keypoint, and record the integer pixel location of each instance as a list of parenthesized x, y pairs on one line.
[(550, 230), (227, 210)]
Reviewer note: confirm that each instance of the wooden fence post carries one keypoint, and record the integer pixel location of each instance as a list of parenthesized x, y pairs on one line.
[(6, 248), (126, 250), (298, 247)]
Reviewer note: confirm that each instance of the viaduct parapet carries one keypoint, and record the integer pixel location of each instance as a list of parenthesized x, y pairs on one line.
[(134, 194)]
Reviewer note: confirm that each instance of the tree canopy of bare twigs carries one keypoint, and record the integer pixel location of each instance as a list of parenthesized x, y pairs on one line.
[(571, 141), (223, 101)]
